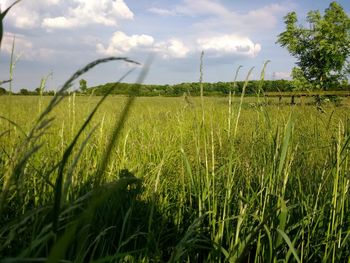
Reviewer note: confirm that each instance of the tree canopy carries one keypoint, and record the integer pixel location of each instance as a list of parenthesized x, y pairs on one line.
[(83, 85), (322, 48), (2, 91)]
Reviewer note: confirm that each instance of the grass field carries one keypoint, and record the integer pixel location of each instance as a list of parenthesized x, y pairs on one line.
[(260, 182)]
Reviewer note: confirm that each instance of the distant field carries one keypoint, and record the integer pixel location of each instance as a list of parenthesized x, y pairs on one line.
[(262, 181)]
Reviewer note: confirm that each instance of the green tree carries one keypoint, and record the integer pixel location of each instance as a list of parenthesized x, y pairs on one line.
[(83, 85), (2, 91), (321, 49), (24, 92), (299, 82)]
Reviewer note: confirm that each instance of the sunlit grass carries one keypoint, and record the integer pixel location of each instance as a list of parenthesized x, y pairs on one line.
[(277, 190)]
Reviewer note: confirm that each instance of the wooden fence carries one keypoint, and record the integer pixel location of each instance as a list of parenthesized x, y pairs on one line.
[(303, 94)]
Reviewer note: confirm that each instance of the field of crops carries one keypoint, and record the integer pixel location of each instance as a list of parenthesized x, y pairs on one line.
[(175, 180)]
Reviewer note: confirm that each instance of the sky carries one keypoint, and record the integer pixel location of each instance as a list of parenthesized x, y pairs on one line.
[(54, 38)]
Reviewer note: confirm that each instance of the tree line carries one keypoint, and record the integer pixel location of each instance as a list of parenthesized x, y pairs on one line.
[(209, 89), (193, 88), (26, 92)]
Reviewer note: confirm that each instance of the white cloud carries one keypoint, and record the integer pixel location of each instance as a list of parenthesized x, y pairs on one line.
[(220, 17), (22, 44), (216, 46), (20, 16), (60, 22), (24, 48), (193, 8), (162, 12), (52, 2), (265, 15), (229, 44), (122, 10), (254, 21), (72, 13), (120, 43), (173, 48), (202, 7), (27, 14), (104, 12)]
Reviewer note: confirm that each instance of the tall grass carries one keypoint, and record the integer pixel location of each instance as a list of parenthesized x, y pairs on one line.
[(176, 191), (173, 187), (157, 181)]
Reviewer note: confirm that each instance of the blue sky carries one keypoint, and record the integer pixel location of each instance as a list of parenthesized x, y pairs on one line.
[(60, 36)]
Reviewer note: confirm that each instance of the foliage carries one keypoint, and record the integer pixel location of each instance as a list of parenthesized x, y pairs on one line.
[(24, 92), (83, 85), (2, 91), (299, 82), (322, 48), (209, 89)]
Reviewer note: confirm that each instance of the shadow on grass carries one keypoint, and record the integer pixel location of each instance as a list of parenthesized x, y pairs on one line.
[(110, 223)]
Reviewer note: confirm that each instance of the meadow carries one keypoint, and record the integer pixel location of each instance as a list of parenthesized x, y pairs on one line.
[(183, 179)]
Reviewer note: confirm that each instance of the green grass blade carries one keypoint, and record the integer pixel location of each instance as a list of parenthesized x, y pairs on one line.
[(66, 155), (282, 218), (2, 16), (289, 243), (285, 145), (120, 123)]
